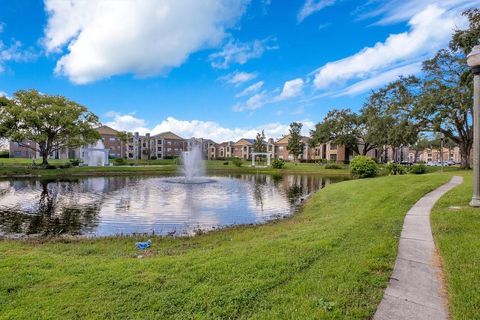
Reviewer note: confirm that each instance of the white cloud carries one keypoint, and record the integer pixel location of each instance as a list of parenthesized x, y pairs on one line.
[(235, 52), (12, 52), (255, 102), (292, 88), (394, 11), (205, 129), (105, 38), (380, 80), (126, 122), (312, 6), (430, 30), (237, 78), (250, 89)]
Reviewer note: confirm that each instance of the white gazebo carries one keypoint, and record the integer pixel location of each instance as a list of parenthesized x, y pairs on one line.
[(268, 154)]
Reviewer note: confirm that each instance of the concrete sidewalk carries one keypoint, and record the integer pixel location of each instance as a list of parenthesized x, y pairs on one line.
[(415, 290)]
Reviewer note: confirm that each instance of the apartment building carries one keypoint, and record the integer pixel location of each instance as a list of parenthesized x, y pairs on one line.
[(435, 155), (160, 146), (225, 149), (243, 148), (107, 134), (209, 148), (111, 141)]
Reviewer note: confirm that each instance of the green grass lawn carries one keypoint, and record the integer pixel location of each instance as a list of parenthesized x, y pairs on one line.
[(22, 167), (457, 234), (27, 162), (330, 261)]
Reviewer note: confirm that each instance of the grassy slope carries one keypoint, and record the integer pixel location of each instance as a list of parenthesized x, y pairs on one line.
[(457, 234), (331, 261)]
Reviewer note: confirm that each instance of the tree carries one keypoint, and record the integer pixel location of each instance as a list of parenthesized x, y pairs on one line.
[(464, 40), (358, 132), (259, 145), (124, 137), (52, 122), (338, 127), (446, 103), (393, 126), (295, 144), (421, 144)]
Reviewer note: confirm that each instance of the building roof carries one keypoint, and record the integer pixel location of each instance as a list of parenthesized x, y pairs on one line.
[(245, 141), (107, 130), (284, 139), (226, 143), (168, 135)]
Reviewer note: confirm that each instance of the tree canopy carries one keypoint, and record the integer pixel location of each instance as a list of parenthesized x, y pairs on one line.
[(52, 122), (259, 145), (295, 145)]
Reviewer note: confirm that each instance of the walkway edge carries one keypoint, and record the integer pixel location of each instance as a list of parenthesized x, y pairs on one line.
[(415, 290)]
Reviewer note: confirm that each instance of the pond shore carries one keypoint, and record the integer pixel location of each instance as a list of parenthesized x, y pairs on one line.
[(13, 170), (331, 260)]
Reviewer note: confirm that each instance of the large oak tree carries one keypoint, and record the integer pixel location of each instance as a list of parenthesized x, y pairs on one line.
[(52, 122)]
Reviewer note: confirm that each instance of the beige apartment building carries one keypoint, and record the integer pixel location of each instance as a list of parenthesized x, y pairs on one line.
[(243, 148), (108, 136), (209, 148), (112, 142), (225, 149), (164, 145), (435, 155)]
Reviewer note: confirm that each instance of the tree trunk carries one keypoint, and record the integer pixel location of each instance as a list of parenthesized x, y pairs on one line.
[(44, 158), (465, 150)]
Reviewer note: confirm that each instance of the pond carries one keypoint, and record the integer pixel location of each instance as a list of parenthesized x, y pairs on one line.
[(103, 206)]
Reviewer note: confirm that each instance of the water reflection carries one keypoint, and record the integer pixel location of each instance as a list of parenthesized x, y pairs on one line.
[(125, 205)]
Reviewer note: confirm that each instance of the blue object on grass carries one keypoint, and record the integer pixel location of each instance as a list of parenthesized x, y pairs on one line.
[(143, 245)]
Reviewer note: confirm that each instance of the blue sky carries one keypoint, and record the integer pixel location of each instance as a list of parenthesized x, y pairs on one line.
[(221, 69)]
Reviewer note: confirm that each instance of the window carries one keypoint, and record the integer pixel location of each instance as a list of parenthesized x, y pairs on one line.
[(280, 148), (169, 149), (112, 139), (333, 147), (18, 153), (333, 157), (159, 149), (159, 141), (169, 143)]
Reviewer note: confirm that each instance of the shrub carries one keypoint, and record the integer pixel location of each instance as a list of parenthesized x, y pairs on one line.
[(333, 166), (50, 167), (119, 161), (363, 167), (395, 168), (237, 162), (4, 154), (418, 168), (66, 165), (278, 164), (153, 158), (226, 163), (75, 162)]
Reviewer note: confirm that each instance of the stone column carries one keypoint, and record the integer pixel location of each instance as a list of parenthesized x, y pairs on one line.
[(476, 140)]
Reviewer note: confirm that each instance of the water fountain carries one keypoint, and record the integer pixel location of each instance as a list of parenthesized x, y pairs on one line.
[(96, 154), (193, 165)]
